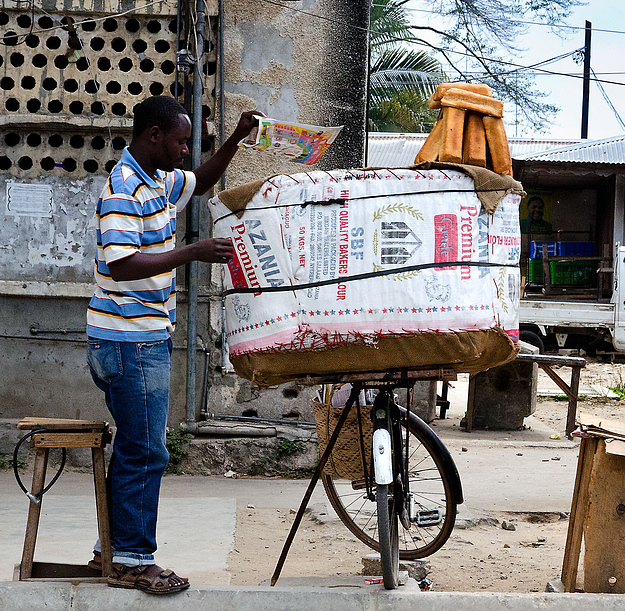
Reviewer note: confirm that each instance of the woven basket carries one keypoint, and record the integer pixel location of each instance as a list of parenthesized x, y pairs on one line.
[(345, 461)]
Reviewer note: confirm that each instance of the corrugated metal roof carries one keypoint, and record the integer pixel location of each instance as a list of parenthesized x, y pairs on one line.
[(526, 146), (389, 150), (608, 150)]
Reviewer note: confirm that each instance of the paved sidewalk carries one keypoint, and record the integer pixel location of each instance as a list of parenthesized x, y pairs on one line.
[(196, 513), (87, 597), (519, 471)]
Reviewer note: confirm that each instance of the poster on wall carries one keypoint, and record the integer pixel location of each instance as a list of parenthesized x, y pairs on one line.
[(26, 199), (536, 212)]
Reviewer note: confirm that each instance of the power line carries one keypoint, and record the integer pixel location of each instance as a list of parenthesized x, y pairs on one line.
[(606, 97), (538, 23), (436, 48), (322, 17), (577, 75), (573, 27), (546, 62), (512, 64)]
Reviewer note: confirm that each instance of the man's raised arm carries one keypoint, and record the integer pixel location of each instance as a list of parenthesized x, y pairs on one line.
[(211, 171)]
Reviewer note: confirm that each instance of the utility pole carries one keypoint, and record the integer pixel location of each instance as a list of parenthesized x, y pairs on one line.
[(193, 218), (586, 85)]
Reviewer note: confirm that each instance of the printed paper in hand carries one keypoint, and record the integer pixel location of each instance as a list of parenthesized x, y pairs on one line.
[(295, 141)]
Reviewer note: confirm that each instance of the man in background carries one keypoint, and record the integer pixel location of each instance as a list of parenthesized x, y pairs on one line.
[(534, 221)]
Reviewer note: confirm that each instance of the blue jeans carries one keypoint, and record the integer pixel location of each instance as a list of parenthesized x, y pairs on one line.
[(135, 381)]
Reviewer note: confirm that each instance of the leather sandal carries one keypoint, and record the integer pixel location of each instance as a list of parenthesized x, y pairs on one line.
[(149, 578), (96, 562)]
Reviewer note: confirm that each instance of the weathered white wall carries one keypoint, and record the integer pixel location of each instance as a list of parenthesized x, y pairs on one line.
[(55, 248), (298, 61)]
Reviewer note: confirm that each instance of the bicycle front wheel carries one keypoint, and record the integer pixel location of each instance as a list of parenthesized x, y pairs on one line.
[(388, 530), (431, 488)]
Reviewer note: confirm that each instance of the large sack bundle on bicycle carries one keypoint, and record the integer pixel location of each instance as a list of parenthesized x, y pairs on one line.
[(369, 270)]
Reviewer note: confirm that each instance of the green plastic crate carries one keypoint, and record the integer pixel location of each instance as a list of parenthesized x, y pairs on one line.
[(576, 273), (534, 271)]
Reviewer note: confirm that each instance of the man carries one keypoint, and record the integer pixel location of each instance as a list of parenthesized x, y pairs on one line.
[(132, 314), (534, 222)]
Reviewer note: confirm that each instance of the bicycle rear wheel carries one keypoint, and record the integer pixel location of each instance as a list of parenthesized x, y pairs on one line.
[(431, 488), (388, 530)]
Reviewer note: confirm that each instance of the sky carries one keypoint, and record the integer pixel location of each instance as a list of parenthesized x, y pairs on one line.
[(607, 61)]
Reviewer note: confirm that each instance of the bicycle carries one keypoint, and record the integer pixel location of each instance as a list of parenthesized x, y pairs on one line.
[(404, 506)]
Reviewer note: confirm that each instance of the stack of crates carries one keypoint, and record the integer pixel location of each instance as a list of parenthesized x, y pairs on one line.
[(575, 273), (536, 249)]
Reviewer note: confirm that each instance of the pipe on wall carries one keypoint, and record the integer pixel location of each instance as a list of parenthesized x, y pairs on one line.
[(194, 215), (222, 138)]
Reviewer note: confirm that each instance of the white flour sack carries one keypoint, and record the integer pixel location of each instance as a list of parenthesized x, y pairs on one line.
[(369, 270)]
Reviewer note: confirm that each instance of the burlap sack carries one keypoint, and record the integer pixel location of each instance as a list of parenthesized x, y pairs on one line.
[(469, 352)]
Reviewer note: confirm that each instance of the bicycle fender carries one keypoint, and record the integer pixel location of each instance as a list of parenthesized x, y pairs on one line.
[(447, 461), (382, 457)]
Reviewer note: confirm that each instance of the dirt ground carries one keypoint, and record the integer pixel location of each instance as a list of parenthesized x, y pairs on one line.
[(486, 557), (480, 558)]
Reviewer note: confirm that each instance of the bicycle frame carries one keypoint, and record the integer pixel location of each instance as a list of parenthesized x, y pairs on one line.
[(388, 461), (390, 464), (392, 467)]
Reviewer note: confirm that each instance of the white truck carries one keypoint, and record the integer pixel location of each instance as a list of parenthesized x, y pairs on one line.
[(577, 323)]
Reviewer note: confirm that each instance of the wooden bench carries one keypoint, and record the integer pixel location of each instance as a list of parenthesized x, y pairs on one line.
[(65, 433), (545, 362)]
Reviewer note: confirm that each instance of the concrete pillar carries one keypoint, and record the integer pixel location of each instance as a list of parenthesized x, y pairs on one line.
[(505, 396), (424, 401)]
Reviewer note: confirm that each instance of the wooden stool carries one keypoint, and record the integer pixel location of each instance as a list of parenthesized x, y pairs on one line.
[(65, 433)]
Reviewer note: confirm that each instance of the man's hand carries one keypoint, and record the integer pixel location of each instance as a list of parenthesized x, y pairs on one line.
[(140, 265), (246, 124), (214, 250)]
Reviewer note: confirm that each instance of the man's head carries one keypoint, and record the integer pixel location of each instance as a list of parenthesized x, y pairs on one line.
[(160, 130), (535, 208), (160, 111)]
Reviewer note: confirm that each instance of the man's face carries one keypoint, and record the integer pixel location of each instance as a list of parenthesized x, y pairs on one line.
[(535, 210), (172, 147)]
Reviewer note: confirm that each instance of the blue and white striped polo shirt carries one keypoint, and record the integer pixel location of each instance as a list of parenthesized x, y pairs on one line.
[(136, 213)]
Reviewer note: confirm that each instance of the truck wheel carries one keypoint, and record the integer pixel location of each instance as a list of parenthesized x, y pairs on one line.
[(529, 337)]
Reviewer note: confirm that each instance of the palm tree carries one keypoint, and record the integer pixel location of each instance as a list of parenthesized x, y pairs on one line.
[(401, 80)]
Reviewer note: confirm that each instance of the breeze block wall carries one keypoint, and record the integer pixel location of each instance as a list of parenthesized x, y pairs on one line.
[(70, 79), (70, 74)]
